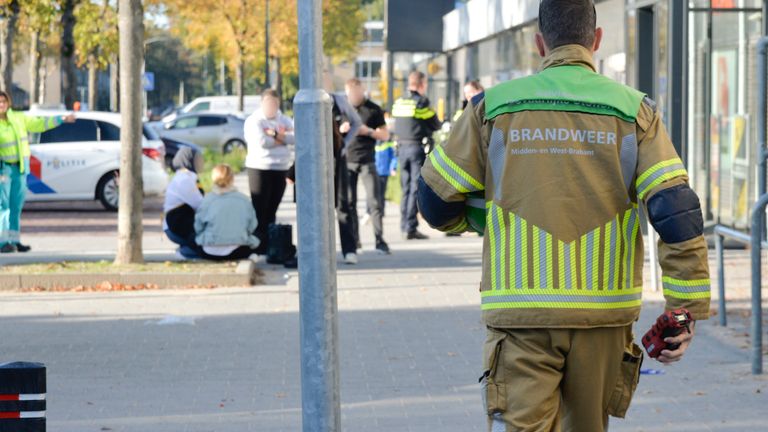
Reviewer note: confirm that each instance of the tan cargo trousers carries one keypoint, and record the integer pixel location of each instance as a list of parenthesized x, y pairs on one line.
[(551, 380)]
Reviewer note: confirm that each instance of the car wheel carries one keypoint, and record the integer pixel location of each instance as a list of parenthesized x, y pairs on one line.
[(108, 191), (231, 145)]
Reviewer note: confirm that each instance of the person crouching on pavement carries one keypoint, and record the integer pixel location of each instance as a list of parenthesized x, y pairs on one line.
[(14, 167), (225, 221), (182, 198)]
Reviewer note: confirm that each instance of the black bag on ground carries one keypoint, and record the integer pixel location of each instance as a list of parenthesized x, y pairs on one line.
[(281, 246)]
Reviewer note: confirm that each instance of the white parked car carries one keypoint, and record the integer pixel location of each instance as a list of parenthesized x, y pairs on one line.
[(219, 105), (221, 132), (81, 160)]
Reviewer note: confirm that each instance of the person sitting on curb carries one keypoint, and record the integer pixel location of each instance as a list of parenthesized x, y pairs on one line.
[(225, 221), (182, 198)]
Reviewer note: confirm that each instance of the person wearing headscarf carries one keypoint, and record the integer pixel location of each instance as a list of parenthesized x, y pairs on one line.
[(182, 199)]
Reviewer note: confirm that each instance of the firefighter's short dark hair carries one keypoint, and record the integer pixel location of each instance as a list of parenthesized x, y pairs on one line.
[(565, 22)]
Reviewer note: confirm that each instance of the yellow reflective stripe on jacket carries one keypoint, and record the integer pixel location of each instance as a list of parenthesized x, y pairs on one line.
[(658, 174), (385, 146), (590, 262), (452, 173), (10, 158), (567, 270), (423, 113), (630, 228), (497, 231), (611, 242), (561, 299), (686, 289), (518, 246), (404, 108), (459, 228), (526, 257), (543, 263)]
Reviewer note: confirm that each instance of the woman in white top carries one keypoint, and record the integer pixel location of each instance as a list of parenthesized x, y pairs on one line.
[(182, 199), (270, 139)]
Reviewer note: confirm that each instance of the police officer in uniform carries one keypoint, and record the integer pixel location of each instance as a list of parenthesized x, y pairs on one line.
[(565, 159), (415, 122)]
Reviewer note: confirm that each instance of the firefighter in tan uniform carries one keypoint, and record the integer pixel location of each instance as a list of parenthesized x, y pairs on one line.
[(565, 159)]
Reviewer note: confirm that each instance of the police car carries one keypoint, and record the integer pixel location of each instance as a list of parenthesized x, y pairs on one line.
[(81, 160)]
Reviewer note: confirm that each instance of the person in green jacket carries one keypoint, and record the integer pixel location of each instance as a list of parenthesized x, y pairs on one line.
[(14, 167)]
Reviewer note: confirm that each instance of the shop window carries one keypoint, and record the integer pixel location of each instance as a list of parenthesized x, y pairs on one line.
[(368, 69)]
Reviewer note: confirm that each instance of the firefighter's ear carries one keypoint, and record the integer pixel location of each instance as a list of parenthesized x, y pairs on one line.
[(541, 45), (598, 39)]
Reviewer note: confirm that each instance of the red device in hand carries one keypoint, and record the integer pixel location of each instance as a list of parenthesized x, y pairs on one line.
[(669, 324)]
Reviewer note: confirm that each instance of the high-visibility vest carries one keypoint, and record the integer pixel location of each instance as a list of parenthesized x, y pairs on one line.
[(14, 140)]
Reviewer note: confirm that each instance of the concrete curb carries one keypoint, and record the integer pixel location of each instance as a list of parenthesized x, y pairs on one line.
[(245, 275)]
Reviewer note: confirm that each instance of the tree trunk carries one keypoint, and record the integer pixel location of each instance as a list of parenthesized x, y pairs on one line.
[(241, 84), (129, 218), (69, 72), (43, 81), (93, 91), (114, 89), (7, 33), (279, 82), (222, 78), (34, 68)]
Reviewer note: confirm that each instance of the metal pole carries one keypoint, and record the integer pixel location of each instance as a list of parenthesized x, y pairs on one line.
[(762, 111), (267, 79), (390, 80), (721, 279), (758, 219), (320, 399)]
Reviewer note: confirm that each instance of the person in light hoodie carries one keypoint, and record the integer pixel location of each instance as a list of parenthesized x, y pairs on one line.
[(270, 140), (225, 220)]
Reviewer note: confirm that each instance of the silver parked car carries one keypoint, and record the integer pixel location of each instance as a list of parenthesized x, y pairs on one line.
[(222, 132)]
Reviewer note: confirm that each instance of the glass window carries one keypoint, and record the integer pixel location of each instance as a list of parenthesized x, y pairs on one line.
[(725, 4), (108, 131), (374, 35), (150, 133), (368, 69), (211, 121), (185, 123), (79, 131), (202, 106), (722, 103)]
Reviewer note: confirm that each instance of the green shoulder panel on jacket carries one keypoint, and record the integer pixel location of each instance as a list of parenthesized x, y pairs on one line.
[(564, 88)]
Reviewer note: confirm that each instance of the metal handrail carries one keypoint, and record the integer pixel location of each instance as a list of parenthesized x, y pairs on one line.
[(758, 223), (757, 246), (722, 232)]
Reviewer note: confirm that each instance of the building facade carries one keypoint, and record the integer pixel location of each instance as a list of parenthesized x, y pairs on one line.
[(367, 65)]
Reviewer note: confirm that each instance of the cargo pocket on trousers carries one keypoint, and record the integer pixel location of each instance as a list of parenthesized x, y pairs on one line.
[(492, 385), (629, 376)]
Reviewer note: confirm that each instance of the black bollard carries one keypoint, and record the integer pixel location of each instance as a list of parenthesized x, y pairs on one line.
[(22, 397)]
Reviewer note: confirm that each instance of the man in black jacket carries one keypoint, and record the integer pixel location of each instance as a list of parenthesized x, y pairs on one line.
[(361, 160)]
